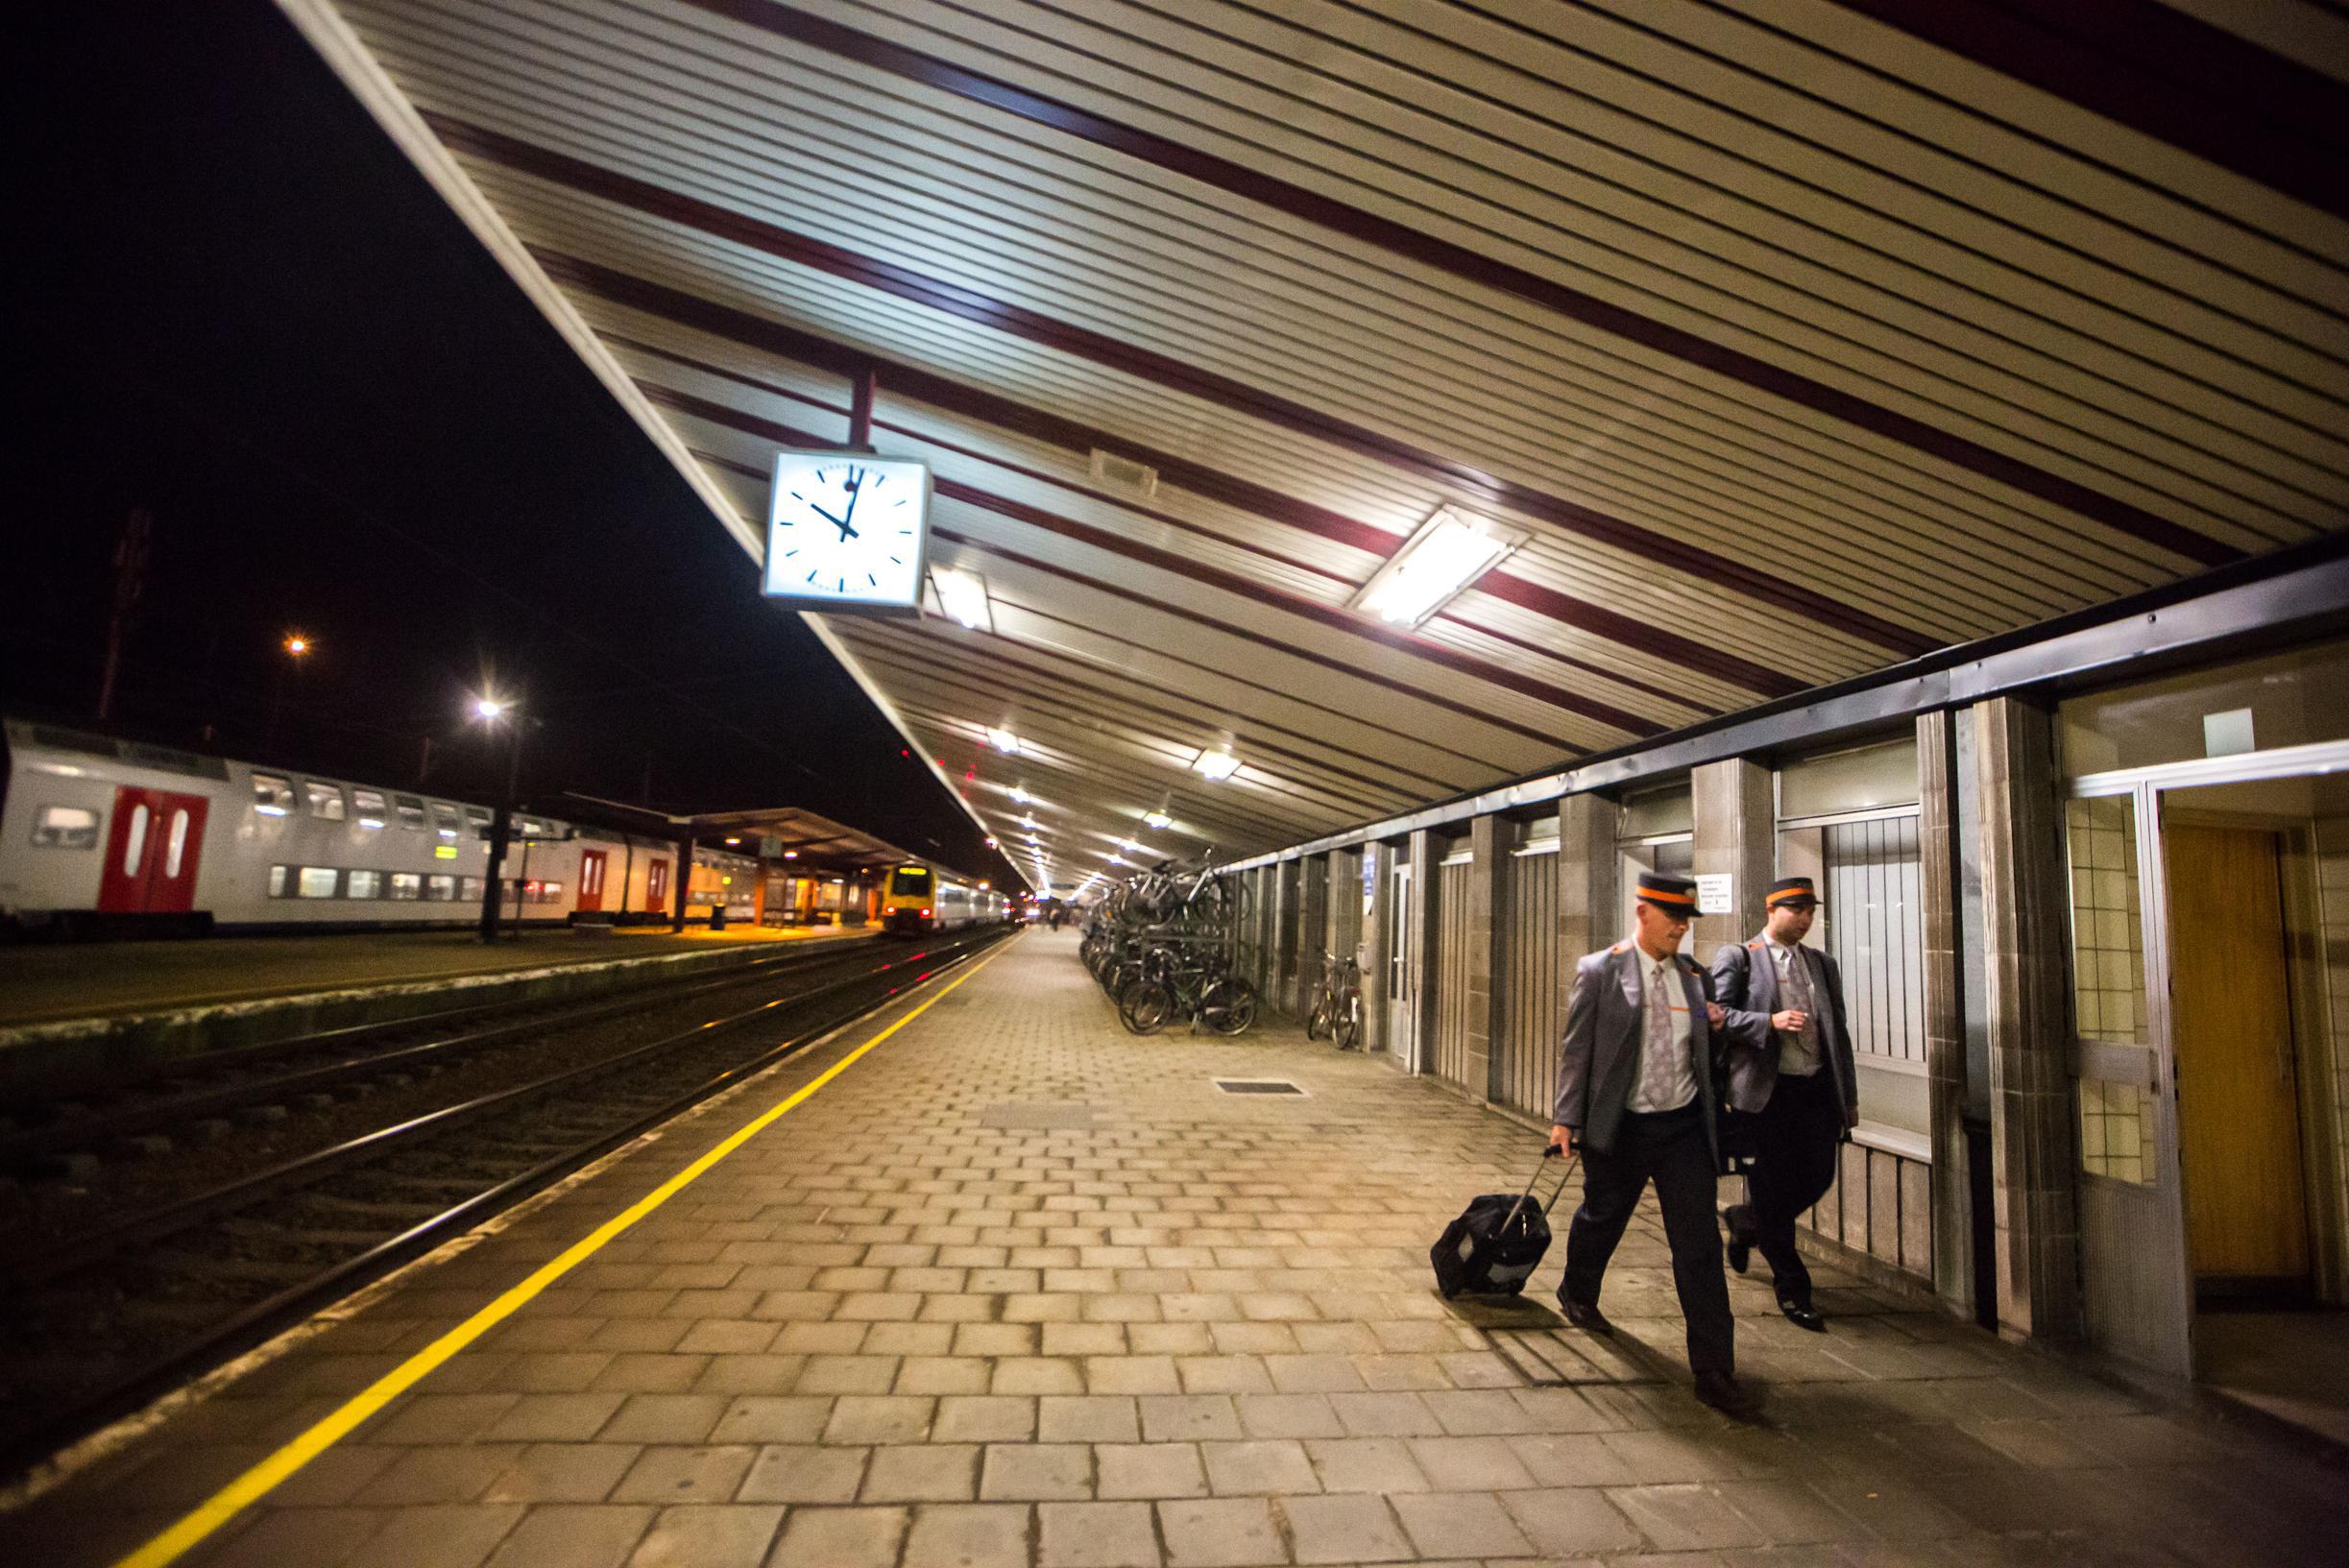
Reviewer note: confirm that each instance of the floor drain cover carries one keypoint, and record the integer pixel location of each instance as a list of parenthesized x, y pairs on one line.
[(1257, 1086)]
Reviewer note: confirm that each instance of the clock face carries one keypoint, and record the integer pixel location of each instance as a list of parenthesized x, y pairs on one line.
[(844, 530)]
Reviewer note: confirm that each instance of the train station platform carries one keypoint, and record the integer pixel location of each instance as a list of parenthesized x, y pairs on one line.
[(986, 1281)]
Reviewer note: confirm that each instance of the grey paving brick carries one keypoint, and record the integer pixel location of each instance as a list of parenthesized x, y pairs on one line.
[(804, 1473), (839, 1537), (968, 1535), (846, 1375), (1287, 1415), (1188, 1418), (1459, 1523), (1089, 1418), (573, 1535), (1148, 1470), (553, 1418), (735, 1535), (985, 1418), (1350, 1528), (1097, 1536), (562, 1473), (1684, 1517), (447, 1535), (1221, 1532), (1036, 1472), (922, 1473), (457, 1472), (696, 1474), (665, 1418), (1570, 1521), (1037, 1375), (772, 1418), (879, 1418), (1264, 1467)]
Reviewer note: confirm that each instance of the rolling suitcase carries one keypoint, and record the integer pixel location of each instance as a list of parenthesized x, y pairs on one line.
[(1497, 1241)]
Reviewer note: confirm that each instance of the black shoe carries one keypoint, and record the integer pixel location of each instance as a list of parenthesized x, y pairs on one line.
[(1584, 1315), (1803, 1315), (1741, 1239), (1724, 1393)]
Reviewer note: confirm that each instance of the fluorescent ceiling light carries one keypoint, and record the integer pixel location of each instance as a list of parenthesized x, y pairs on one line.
[(1002, 740), (1157, 819), (1019, 796), (1216, 764), (1447, 554), (963, 596)]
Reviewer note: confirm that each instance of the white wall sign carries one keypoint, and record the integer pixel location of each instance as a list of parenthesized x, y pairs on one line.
[(1716, 896)]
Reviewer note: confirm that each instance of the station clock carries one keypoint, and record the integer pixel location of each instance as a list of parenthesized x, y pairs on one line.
[(847, 532)]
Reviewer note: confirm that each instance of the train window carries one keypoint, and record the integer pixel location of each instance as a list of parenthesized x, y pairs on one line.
[(134, 843), (411, 812), (374, 810), (326, 800), (175, 843), (318, 883), (478, 818), (469, 890), (66, 827), (408, 884), (440, 889), (909, 881), (272, 796), (364, 885), (276, 880), (446, 821)]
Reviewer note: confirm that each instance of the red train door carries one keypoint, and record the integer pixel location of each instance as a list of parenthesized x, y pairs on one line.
[(591, 878), (153, 846), (656, 886)]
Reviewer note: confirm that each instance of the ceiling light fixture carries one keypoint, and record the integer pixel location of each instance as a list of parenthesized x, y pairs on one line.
[(1448, 553), (1003, 741), (962, 596), (1019, 796), (1216, 764), (1157, 819)]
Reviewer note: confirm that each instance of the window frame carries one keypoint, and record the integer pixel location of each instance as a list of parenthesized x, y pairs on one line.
[(42, 826), (315, 790), (273, 795)]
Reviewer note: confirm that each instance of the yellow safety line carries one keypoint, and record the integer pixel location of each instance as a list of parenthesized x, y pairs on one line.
[(264, 1478)]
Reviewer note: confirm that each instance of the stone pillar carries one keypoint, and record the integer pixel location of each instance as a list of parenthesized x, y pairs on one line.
[(1284, 938), (1938, 863), (1488, 841), (2036, 1225), (1424, 937), (1737, 835), (1312, 931), (1590, 877), (1378, 861), (1346, 903)]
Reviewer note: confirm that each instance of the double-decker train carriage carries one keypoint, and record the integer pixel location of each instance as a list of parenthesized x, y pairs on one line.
[(120, 834)]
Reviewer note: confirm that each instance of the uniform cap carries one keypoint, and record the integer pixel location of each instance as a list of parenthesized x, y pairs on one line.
[(1790, 890), (1673, 894)]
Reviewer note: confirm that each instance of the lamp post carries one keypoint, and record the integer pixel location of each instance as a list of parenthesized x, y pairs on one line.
[(492, 711), (297, 646)]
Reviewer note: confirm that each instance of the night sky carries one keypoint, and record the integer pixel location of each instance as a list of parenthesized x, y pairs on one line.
[(247, 315)]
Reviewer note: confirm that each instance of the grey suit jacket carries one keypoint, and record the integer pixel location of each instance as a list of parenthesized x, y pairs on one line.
[(1744, 983), (1599, 1057)]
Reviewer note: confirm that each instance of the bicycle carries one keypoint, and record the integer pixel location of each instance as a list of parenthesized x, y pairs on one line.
[(1172, 984), (1337, 1012)]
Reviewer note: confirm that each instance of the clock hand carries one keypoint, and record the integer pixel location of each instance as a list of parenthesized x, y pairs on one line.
[(841, 523)]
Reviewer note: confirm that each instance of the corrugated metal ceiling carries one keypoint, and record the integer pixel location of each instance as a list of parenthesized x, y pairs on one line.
[(1801, 337)]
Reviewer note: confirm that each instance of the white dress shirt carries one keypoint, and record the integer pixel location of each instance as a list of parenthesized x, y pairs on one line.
[(1662, 976)]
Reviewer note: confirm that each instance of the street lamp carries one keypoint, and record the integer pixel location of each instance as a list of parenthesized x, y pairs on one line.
[(297, 646), (493, 712)]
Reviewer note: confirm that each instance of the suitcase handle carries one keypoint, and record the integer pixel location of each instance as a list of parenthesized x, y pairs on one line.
[(1547, 1154)]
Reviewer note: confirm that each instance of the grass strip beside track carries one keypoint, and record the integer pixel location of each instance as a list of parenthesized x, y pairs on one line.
[(255, 1484)]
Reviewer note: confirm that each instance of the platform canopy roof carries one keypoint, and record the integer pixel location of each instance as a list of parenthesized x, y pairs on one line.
[(803, 835), (1797, 338)]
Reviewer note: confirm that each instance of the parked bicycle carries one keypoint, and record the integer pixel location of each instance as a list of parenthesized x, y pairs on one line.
[(1173, 984), (1337, 1012)]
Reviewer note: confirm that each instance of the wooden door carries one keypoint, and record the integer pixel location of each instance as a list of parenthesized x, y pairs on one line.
[(154, 846), (2239, 1109), (591, 878)]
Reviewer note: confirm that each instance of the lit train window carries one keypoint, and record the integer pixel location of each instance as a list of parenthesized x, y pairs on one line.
[(478, 818), (276, 880), (174, 844), (134, 843), (440, 889), (408, 884), (272, 796), (373, 810), (909, 881), (318, 883), (326, 800), (364, 885), (469, 890), (446, 820), (411, 812), (66, 827)]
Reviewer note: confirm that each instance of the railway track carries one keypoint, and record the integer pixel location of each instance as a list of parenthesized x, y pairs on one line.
[(139, 1301)]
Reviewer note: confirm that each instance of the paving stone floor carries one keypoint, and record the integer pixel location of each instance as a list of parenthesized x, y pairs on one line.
[(1019, 1290)]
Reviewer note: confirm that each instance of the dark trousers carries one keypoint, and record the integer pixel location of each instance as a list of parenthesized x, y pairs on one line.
[(1671, 1151), (1795, 1141)]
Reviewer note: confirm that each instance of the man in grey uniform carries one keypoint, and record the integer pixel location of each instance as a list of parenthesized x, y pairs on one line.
[(1635, 1098), (1790, 1068)]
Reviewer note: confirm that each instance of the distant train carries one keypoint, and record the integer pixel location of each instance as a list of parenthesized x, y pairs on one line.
[(118, 835), (918, 899)]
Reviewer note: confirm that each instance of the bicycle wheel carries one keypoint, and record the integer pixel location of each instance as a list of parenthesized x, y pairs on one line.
[(1228, 1006), (1346, 1028), (1145, 1007), (1317, 1021)]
